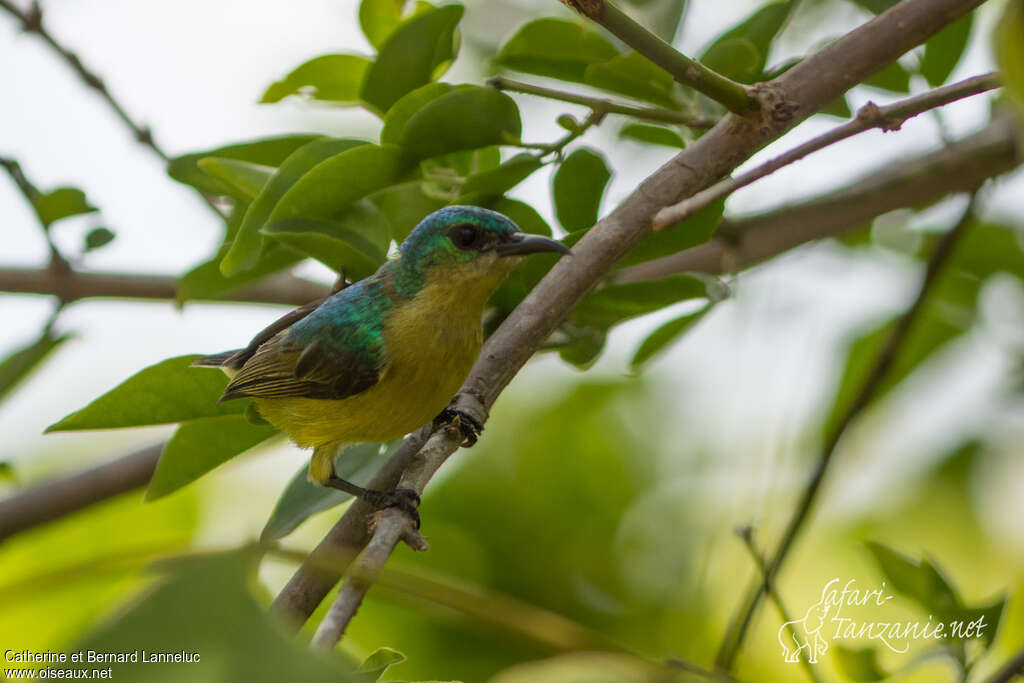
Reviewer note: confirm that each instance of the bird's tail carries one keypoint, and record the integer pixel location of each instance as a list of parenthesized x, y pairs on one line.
[(217, 360)]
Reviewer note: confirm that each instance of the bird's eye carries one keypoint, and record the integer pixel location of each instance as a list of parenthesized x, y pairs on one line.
[(466, 236)]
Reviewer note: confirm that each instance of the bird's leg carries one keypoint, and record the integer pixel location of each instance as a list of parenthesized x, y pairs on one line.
[(405, 500), (469, 425)]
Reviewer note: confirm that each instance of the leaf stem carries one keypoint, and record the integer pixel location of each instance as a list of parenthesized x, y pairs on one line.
[(732, 95)]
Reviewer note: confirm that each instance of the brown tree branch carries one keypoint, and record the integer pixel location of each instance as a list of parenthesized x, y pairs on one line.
[(791, 98), (867, 392), (748, 240), (888, 118), (281, 289), (56, 498)]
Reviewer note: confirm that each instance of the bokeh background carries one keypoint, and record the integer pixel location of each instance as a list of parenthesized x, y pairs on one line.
[(606, 497)]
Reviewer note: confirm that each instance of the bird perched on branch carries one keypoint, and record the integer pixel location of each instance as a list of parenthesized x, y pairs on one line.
[(378, 359)]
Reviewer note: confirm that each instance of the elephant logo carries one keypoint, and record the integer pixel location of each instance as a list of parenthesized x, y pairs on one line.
[(805, 633)]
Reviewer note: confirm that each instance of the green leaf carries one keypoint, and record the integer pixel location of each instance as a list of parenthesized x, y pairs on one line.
[(697, 229), (412, 56), (20, 364), (404, 205), (205, 281), (876, 6), (333, 78), (633, 75), (334, 243), (741, 52), (302, 499), (410, 103), (920, 581), (266, 152), (990, 617), (60, 203), (653, 135), (170, 391), (244, 252), (525, 216), (201, 445), (613, 304), (838, 107), (665, 335), (555, 48), (204, 607), (860, 664), (465, 118), (1010, 52), (577, 188), (379, 18), (97, 237), (500, 180), (7, 472), (893, 77), (585, 348), (374, 666), (242, 179), (942, 52)]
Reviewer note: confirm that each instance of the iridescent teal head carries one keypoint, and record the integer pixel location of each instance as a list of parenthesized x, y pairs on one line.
[(470, 246)]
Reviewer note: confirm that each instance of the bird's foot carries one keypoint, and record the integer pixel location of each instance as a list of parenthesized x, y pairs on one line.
[(470, 426), (405, 500)]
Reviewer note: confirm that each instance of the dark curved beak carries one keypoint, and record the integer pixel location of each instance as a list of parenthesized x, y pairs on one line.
[(521, 244)]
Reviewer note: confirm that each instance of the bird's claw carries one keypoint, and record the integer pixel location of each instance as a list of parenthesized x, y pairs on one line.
[(470, 426), (405, 500)]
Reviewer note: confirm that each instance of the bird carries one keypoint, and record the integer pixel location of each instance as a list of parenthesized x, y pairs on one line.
[(381, 357)]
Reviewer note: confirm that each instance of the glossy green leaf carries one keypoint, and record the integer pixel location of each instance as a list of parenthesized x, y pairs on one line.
[(741, 52), (302, 498), (697, 229), (20, 363), (523, 215), (500, 180), (243, 180), (633, 75), (404, 205), (893, 77), (60, 203), (97, 238), (577, 188), (411, 56), (410, 103), (204, 607), (465, 118), (859, 664), (170, 391), (555, 48), (330, 242), (199, 446), (1009, 48), (244, 252), (653, 135), (665, 335), (942, 52), (374, 666), (333, 78), (266, 152), (379, 18), (613, 304)]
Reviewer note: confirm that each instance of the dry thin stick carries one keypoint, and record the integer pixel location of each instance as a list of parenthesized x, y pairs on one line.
[(888, 118), (883, 364), (597, 104)]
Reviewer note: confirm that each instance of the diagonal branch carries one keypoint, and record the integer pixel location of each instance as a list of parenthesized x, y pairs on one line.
[(792, 97), (887, 118), (883, 364)]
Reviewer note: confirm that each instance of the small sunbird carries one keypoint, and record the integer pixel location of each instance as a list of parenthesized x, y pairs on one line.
[(386, 355)]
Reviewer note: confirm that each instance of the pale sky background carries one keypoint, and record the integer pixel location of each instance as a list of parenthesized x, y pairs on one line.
[(742, 385)]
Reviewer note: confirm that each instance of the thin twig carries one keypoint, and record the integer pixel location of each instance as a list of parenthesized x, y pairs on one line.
[(746, 534), (867, 392), (597, 104), (32, 22), (732, 95), (59, 265), (848, 60), (887, 118), (1011, 669)]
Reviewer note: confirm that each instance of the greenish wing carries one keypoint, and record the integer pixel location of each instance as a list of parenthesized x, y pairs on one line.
[(281, 370)]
